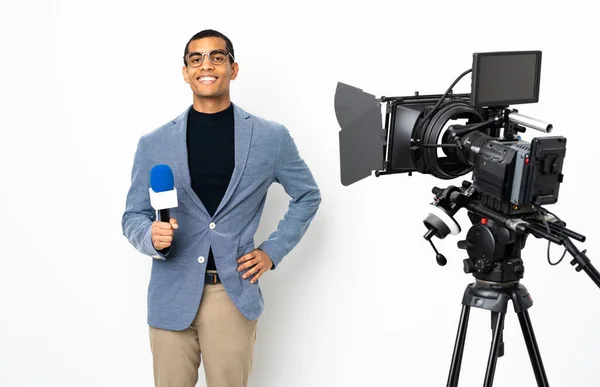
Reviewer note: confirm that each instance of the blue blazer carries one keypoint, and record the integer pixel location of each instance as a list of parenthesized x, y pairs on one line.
[(264, 153)]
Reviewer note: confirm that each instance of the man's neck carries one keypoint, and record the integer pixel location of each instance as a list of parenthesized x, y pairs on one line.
[(210, 105)]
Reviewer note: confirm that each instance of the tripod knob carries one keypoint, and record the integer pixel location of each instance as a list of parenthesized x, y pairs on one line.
[(483, 265), (574, 262), (468, 266), (519, 269), (464, 245)]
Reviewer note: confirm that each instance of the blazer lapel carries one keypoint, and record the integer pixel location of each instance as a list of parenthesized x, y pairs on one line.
[(178, 146), (179, 153), (242, 138)]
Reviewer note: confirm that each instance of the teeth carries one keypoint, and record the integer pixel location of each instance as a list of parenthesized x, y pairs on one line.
[(208, 79)]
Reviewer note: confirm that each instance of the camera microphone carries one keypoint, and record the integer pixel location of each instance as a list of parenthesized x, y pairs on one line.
[(163, 194)]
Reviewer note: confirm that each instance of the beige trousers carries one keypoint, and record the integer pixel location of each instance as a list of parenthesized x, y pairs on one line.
[(220, 334)]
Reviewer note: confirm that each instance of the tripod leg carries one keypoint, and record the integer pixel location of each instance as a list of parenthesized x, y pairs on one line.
[(459, 347), (491, 367), (532, 348), (501, 349)]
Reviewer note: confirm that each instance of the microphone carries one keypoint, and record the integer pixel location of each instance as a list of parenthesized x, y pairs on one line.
[(163, 194)]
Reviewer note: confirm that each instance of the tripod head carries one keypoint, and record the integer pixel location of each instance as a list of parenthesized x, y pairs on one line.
[(495, 239)]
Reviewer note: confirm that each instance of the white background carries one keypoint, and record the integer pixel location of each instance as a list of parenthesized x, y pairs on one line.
[(360, 301)]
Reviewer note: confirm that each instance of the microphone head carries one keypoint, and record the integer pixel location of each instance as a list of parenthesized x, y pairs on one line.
[(161, 178)]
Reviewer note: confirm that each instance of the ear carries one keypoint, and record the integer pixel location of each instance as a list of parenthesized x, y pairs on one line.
[(184, 72), (234, 70)]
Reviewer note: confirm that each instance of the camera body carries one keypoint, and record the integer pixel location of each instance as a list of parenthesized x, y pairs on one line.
[(511, 175), (514, 176)]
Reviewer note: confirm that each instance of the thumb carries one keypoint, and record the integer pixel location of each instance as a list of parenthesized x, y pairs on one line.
[(173, 222)]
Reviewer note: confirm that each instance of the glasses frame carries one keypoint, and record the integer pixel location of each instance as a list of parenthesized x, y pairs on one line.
[(207, 54)]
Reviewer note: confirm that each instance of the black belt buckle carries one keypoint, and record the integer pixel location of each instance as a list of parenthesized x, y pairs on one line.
[(212, 278)]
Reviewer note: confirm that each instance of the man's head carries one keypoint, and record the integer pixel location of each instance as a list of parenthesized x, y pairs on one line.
[(209, 66)]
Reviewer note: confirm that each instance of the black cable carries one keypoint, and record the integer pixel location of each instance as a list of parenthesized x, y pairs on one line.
[(538, 210), (472, 127), (425, 137), (437, 105)]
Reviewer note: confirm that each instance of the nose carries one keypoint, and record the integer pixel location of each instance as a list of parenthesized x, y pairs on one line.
[(206, 63)]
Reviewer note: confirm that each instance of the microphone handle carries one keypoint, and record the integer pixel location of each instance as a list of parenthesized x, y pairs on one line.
[(163, 215)]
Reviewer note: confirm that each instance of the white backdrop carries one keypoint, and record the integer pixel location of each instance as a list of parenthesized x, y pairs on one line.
[(361, 300)]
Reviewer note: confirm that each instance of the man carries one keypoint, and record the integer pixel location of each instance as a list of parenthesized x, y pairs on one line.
[(204, 299)]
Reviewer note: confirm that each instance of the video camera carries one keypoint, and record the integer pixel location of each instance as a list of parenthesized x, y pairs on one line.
[(511, 179), (450, 135), (510, 174)]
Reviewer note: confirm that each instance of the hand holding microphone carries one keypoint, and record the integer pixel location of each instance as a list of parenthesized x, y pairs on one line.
[(162, 233), (163, 197)]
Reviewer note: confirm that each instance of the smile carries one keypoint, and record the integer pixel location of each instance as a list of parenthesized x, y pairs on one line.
[(207, 80)]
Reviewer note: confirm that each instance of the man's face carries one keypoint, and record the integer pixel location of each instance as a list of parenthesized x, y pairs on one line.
[(209, 80)]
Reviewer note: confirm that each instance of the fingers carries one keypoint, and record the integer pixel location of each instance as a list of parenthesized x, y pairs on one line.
[(256, 262), (161, 241), (257, 269), (160, 246), (247, 264), (163, 238), (162, 228), (162, 233), (164, 225), (250, 272), (257, 276), (247, 257)]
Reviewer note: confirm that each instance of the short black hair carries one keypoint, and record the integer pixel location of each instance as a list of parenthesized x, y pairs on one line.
[(209, 34)]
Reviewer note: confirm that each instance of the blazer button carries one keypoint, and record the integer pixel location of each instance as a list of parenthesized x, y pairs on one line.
[(200, 259), (212, 225)]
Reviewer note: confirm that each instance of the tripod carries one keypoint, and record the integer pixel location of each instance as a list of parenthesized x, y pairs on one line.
[(495, 261), (494, 244), (495, 298)]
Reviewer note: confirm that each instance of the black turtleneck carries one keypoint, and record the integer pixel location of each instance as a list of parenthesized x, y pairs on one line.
[(211, 158)]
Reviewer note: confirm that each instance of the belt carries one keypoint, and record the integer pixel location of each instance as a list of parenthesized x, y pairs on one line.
[(212, 278)]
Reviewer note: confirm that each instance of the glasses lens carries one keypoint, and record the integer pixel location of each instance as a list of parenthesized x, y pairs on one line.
[(195, 60), (218, 56)]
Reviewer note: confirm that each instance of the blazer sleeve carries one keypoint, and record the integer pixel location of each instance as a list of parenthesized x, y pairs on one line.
[(298, 182), (137, 219)]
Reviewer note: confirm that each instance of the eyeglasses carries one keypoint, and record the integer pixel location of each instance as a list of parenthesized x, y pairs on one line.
[(216, 57)]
